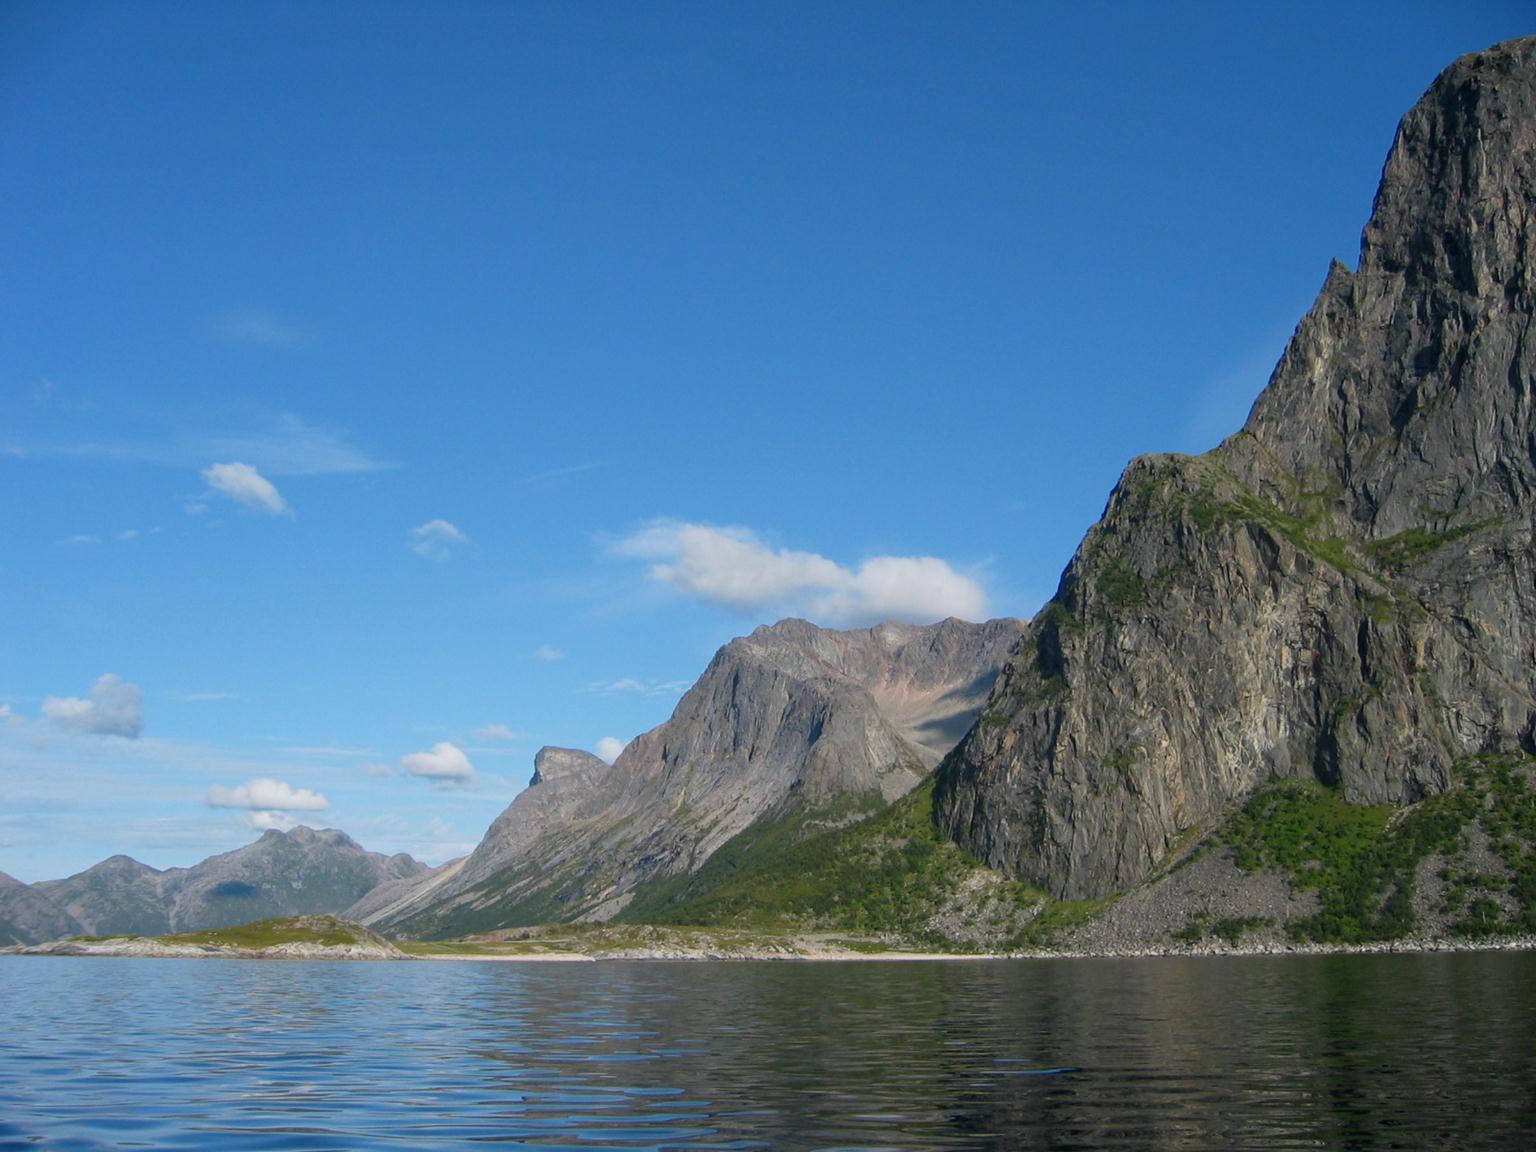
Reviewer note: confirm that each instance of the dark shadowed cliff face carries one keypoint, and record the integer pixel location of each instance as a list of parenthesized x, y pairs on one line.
[(792, 715), (1345, 588)]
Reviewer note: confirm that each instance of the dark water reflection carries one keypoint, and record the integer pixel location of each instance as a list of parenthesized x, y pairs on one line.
[(1324, 1052)]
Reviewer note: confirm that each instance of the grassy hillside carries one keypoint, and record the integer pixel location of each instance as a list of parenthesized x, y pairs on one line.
[(890, 873)]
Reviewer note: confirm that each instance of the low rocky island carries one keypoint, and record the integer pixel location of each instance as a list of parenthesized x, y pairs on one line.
[(291, 938)]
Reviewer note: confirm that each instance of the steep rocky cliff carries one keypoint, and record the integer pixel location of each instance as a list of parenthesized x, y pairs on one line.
[(293, 873), (791, 716), (1345, 589)]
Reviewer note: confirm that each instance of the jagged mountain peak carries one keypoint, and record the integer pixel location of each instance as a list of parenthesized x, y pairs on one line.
[(551, 764), (791, 716)]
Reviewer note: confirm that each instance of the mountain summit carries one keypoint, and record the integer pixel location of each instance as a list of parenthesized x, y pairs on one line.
[(793, 718), (1343, 590)]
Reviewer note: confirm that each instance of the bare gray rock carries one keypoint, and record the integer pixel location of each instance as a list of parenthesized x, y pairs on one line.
[(1343, 589), (792, 715)]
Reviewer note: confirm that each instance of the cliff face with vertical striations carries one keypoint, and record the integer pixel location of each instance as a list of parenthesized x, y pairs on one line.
[(1344, 589), (791, 717)]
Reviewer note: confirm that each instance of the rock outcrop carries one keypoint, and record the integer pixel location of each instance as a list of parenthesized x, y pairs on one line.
[(791, 716), (299, 872), (1345, 588)]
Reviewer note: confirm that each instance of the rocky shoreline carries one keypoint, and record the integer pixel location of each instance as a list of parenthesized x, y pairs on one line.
[(797, 949), (156, 949)]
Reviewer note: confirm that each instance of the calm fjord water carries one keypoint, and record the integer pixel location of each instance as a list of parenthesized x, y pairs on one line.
[(1273, 1053)]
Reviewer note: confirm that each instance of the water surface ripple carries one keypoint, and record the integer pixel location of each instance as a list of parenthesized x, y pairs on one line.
[(1345, 1052)]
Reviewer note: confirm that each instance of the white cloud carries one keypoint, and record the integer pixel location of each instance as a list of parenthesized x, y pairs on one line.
[(638, 687), (497, 732), (436, 540), (548, 652), (115, 708), (268, 795), (378, 768), (445, 762), (83, 538), (263, 821), (128, 534), (244, 485), (733, 568), (203, 697), (608, 748)]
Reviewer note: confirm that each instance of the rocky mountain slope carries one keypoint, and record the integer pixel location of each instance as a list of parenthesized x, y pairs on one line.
[(1344, 590), (791, 717), (27, 917), (293, 873)]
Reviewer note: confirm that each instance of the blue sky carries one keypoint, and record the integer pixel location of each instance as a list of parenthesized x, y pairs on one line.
[(388, 390)]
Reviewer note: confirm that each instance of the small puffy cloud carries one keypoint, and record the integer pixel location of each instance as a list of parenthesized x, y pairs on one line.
[(608, 748), (244, 485), (548, 652), (732, 567), (497, 732), (266, 794), (115, 708), (436, 540), (446, 762)]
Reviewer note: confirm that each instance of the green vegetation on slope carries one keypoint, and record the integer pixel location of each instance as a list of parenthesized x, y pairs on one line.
[(890, 873), (1364, 862), (322, 930)]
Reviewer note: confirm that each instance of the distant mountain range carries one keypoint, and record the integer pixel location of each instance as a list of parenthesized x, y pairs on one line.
[(294, 873)]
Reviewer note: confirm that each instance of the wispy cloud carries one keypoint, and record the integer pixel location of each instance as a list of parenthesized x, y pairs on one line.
[(202, 697), (114, 708), (243, 484), (329, 751), (280, 446), (255, 326), (290, 447), (638, 687), (734, 568), (548, 652), (436, 540), (82, 539), (498, 732), (559, 473)]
